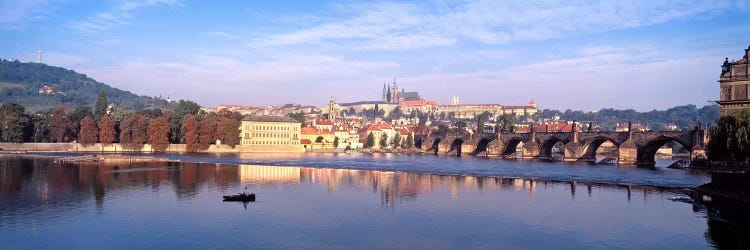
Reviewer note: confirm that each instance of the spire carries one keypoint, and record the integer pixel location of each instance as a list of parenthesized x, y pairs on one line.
[(384, 97), (389, 95)]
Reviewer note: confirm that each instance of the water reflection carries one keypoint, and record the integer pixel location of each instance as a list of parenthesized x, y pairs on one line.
[(38, 191)]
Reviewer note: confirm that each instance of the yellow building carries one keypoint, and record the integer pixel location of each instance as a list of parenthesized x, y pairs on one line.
[(270, 134), (312, 138), (470, 111)]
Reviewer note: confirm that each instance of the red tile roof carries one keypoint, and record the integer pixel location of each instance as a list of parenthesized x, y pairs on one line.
[(309, 131), (323, 122), (418, 103), (305, 141)]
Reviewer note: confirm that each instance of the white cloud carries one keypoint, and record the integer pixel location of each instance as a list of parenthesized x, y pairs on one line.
[(637, 77), (214, 80), (120, 14), (388, 25)]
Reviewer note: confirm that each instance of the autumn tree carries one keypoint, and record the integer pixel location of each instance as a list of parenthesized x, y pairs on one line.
[(59, 124), (183, 108), (106, 130), (158, 134), (190, 132), (207, 134), (89, 131), (133, 131)]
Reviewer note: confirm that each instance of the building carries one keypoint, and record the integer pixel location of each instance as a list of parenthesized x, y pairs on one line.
[(270, 134), (314, 138), (734, 85), (46, 90), (423, 106), (392, 94), (359, 107), (470, 111)]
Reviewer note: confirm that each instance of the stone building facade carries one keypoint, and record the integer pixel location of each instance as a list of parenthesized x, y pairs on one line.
[(270, 134), (735, 85)]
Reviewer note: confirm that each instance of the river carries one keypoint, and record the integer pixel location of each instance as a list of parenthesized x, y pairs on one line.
[(343, 201)]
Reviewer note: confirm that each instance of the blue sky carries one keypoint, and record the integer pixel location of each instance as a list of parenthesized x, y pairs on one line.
[(577, 54)]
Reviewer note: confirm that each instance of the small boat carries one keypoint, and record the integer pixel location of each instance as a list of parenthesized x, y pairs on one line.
[(243, 197)]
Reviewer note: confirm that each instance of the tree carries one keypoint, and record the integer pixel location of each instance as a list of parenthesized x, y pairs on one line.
[(133, 132), (384, 141), (14, 123), (89, 131), (106, 130), (320, 139), (101, 105), (730, 138), (409, 141), (232, 132), (299, 116), (59, 124), (183, 108), (370, 140), (206, 134), (336, 142), (75, 118), (190, 132), (40, 130), (158, 134), (505, 123), (397, 139)]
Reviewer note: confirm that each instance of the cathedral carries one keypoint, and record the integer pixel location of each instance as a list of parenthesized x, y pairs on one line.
[(392, 94)]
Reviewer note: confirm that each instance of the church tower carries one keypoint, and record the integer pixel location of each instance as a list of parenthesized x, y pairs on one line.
[(394, 91), (389, 95), (385, 97)]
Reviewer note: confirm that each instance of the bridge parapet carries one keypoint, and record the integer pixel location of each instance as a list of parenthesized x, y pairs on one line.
[(633, 147)]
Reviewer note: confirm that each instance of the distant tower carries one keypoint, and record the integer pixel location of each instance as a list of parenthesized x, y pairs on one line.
[(332, 110), (454, 101), (394, 91), (385, 97), (40, 54), (390, 94)]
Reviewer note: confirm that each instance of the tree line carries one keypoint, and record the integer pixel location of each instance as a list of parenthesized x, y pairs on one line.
[(187, 124)]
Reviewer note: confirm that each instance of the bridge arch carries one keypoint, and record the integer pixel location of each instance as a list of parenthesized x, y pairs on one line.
[(481, 146), (545, 150), (456, 145), (647, 152), (590, 148), (511, 146)]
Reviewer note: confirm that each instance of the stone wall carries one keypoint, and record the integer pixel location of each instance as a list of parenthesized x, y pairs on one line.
[(98, 147)]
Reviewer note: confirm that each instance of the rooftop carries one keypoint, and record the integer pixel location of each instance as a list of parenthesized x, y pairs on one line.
[(268, 118)]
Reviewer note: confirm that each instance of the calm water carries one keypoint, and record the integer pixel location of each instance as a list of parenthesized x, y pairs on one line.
[(178, 205)]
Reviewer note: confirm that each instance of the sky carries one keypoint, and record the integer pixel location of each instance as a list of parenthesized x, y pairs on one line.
[(581, 55)]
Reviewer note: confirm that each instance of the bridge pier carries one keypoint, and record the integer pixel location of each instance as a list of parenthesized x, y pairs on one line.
[(627, 153), (530, 150), (573, 152)]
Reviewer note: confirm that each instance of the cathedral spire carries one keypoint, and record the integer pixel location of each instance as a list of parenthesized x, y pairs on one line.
[(384, 97), (389, 94)]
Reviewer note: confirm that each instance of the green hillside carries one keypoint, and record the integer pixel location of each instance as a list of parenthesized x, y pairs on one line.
[(21, 82)]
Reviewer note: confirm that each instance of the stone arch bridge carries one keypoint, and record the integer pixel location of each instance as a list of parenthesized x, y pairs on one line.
[(634, 148)]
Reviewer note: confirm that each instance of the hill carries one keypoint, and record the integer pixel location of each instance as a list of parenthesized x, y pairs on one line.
[(24, 84)]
